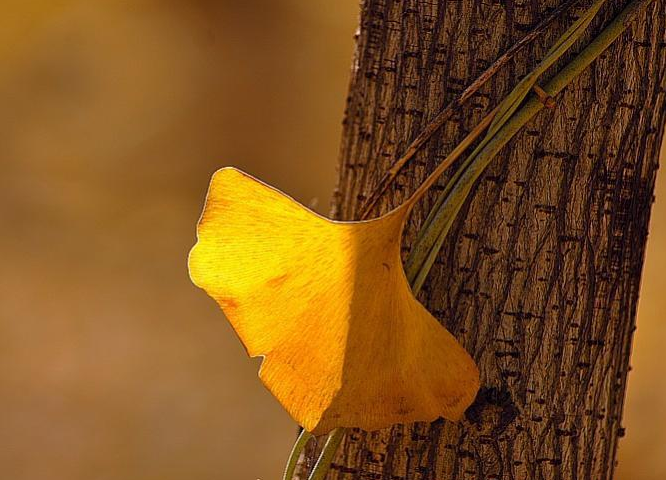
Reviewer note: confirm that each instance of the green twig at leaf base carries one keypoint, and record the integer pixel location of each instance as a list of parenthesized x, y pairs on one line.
[(326, 457), (303, 438), (448, 204)]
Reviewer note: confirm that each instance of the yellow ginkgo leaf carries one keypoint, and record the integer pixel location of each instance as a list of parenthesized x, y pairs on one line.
[(327, 304)]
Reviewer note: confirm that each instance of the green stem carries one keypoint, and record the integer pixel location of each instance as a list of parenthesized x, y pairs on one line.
[(518, 94), (432, 236), (302, 440), (326, 457), (448, 204)]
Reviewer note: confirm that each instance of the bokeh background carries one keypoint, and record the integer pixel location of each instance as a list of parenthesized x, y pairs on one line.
[(113, 115)]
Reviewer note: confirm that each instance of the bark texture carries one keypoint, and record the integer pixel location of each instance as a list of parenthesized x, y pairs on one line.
[(540, 276)]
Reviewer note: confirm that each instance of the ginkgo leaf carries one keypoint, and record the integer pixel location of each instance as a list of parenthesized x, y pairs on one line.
[(327, 304)]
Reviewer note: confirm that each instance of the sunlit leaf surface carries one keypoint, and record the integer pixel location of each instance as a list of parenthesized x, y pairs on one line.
[(328, 305)]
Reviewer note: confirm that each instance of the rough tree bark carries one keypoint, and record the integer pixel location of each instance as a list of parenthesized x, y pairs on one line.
[(540, 276)]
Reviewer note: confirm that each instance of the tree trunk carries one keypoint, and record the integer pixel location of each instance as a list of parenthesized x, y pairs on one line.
[(540, 275)]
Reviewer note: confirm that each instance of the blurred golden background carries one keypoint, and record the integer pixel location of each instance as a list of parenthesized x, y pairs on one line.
[(113, 116)]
